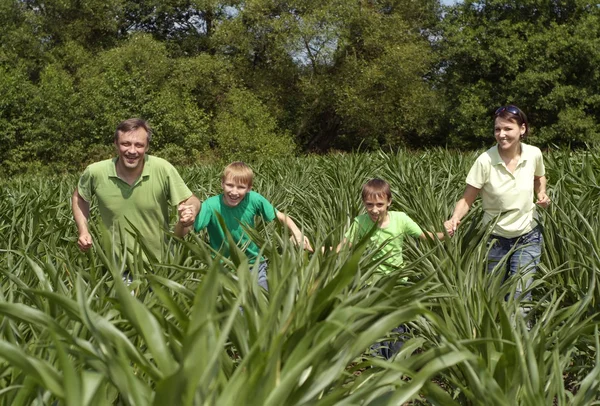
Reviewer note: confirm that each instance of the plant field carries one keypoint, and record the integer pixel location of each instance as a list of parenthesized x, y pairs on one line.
[(191, 330)]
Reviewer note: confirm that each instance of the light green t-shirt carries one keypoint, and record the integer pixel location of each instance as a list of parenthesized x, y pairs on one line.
[(145, 203), (244, 213), (508, 196), (385, 241)]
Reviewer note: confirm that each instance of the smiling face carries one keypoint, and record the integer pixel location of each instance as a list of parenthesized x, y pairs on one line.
[(508, 133), (131, 148), (234, 191), (377, 207)]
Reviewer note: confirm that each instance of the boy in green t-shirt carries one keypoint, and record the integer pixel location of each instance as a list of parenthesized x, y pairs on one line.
[(387, 239), (238, 205)]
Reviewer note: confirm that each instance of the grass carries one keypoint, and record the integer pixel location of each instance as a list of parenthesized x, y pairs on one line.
[(200, 331)]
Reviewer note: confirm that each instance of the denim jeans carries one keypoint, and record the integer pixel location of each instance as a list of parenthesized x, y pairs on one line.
[(387, 349), (262, 275), (522, 262)]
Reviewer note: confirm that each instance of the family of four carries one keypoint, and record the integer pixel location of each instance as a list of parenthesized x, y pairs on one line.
[(135, 191)]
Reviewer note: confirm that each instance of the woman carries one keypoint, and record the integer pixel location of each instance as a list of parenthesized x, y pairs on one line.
[(507, 175)]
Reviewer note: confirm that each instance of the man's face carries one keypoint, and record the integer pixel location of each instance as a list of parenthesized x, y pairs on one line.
[(234, 192), (377, 207), (132, 147)]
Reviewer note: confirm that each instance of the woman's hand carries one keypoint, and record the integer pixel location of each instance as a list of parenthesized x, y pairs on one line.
[(451, 226), (543, 200)]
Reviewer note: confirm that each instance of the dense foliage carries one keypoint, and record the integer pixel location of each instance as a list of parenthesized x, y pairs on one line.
[(199, 332), (253, 78)]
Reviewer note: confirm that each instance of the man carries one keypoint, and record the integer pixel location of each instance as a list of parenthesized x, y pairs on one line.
[(132, 188)]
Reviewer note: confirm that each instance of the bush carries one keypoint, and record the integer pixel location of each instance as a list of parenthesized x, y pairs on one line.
[(244, 129)]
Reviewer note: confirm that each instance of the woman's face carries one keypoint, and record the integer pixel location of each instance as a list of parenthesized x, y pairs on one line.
[(508, 133)]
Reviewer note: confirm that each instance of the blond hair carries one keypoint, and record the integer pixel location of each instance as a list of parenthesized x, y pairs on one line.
[(238, 172), (376, 188)]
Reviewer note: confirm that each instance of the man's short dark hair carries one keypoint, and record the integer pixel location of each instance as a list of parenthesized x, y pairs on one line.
[(133, 124)]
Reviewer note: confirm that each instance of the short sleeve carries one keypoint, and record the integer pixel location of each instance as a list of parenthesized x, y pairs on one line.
[(85, 186), (203, 218), (540, 169), (357, 230), (351, 234), (478, 174), (265, 208), (411, 227), (178, 191)]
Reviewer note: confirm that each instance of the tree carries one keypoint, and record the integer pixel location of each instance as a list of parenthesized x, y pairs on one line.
[(542, 55)]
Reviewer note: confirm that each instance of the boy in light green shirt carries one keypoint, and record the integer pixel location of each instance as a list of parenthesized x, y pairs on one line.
[(387, 241), (392, 226)]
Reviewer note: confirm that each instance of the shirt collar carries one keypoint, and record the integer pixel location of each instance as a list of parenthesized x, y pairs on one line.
[(112, 170), (497, 160)]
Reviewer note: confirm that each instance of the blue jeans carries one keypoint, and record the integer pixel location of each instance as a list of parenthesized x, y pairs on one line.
[(262, 275), (387, 349), (521, 262)]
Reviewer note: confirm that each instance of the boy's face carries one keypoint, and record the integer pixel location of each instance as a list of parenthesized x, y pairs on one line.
[(377, 207), (234, 192)]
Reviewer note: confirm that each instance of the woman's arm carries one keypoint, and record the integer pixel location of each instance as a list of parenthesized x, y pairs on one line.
[(461, 209), (539, 186)]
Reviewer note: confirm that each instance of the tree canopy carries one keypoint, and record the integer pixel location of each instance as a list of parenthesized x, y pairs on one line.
[(256, 78)]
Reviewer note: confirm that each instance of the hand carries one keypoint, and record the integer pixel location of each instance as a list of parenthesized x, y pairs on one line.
[(186, 214), (451, 226), (307, 245), (543, 200), (304, 241), (84, 241)]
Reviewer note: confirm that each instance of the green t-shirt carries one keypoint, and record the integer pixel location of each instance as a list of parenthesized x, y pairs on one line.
[(145, 203), (385, 241), (244, 213)]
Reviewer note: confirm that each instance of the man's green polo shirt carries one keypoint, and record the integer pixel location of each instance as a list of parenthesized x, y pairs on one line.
[(145, 204)]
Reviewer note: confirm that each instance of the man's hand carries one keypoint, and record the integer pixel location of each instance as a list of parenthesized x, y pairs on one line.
[(186, 214), (84, 241)]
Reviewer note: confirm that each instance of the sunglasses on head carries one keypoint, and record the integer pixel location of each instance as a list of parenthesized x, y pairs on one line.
[(510, 109)]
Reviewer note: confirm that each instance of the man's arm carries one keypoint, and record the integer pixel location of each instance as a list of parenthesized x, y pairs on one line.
[(297, 234), (81, 214)]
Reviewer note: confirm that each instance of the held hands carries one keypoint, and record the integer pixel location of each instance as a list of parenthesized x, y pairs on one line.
[(186, 214), (84, 241), (451, 226), (543, 200)]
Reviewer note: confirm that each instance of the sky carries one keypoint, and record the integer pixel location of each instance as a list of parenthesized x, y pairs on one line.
[(449, 2)]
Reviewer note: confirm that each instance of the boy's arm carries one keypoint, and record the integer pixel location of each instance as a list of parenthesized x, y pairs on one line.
[(187, 211), (298, 237), (339, 247), (181, 230), (429, 235)]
